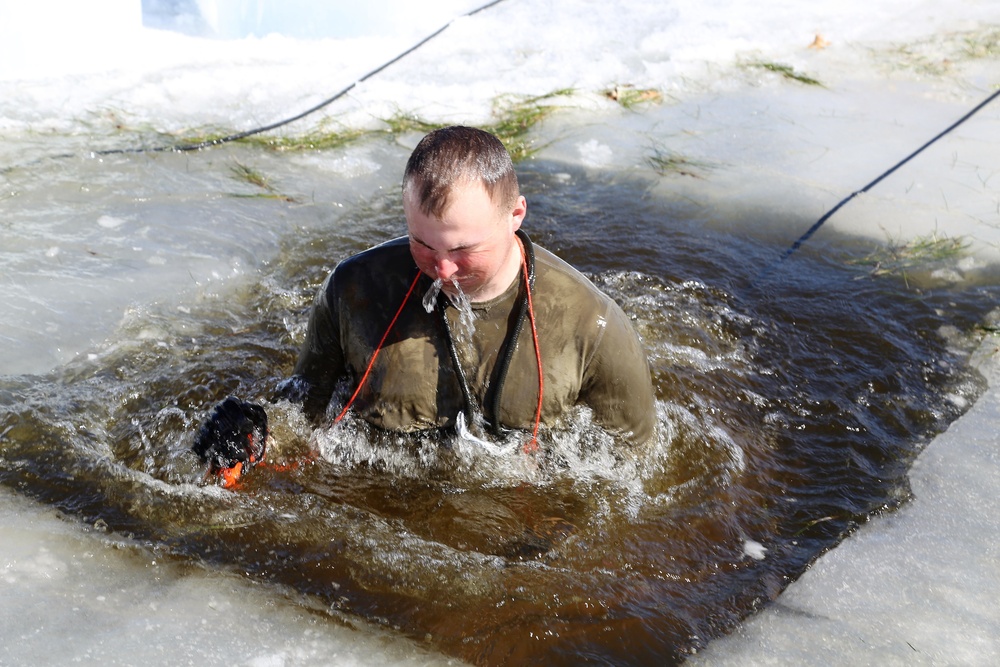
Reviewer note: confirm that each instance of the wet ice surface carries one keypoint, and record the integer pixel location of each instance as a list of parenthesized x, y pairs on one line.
[(754, 142), (78, 596)]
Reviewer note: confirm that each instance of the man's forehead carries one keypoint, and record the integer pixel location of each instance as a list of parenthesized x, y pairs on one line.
[(413, 192)]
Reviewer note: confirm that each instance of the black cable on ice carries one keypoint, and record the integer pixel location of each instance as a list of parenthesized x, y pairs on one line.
[(208, 143), (819, 223)]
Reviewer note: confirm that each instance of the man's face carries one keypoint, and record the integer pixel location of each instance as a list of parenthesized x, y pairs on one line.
[(472, 243)]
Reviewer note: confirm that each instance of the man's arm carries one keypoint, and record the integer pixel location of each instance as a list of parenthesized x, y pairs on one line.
[(321, 360), (617, 383)]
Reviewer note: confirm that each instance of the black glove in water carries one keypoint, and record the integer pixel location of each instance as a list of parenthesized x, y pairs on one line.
[(234, 437)]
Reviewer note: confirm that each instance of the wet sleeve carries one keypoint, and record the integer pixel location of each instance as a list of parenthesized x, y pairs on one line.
[(321, 358), (617, 383)]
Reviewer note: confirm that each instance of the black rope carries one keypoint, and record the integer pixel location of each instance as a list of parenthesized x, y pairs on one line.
[(209, 143), (511, 342), (819, 223)]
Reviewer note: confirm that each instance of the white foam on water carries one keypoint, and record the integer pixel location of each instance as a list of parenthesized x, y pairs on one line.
[(754, 549)]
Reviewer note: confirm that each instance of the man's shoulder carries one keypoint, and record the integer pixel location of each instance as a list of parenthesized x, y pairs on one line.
[(382, 262), (377, 270), (388, 252), (563, 280)]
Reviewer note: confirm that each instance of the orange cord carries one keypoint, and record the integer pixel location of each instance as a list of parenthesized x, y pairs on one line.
[(531, 446), (230, 476), (378, 349)]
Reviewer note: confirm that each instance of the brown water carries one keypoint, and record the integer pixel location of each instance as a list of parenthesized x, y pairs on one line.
[(789, 413)]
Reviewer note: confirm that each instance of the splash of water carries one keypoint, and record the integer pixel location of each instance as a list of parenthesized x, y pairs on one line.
[(466, 319), (430, 297), (459, 299), (462, 303), (464, 435)]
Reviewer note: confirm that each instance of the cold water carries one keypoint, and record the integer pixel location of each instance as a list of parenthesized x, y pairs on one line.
[(789, 409)]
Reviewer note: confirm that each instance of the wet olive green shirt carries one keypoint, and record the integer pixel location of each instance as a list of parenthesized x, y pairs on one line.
[(590, 352)]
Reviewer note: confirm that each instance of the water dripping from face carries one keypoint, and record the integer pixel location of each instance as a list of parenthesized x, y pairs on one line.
[(430, 297), (459, 299)]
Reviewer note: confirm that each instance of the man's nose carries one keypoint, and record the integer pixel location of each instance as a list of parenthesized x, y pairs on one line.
[(445, 268)]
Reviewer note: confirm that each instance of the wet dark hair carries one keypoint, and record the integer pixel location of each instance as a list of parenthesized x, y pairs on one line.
[(455, 155)]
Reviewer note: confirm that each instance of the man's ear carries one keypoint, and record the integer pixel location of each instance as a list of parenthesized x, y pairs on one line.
[(519, 211)]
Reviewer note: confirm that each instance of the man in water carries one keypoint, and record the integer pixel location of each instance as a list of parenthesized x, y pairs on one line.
[(542, 339), (463, 210)]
